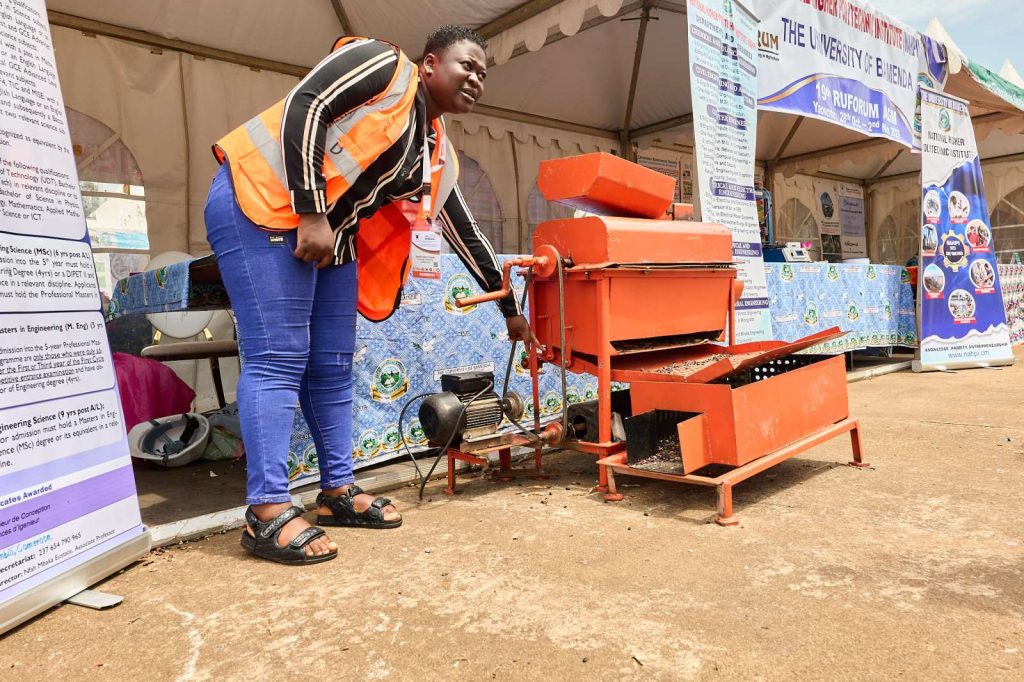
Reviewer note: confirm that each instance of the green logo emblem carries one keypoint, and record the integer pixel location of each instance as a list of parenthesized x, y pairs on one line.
[(392, 438), (552, 403), (871, 274), (459, 286), (294, 465), (887, 311), (832, 273), (787, 273), (389, 381), (369, 445), (853, 313), (572, 396), (310, 463), (811, 315), (414, 434)]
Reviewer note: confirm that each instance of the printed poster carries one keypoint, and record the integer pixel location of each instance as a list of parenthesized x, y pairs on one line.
[(723, 87), (669, 167), (67, 491), (839, 210), (839, 61), (961, 314)]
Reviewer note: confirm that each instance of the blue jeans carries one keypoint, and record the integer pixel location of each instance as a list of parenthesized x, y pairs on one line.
[(296, 329)]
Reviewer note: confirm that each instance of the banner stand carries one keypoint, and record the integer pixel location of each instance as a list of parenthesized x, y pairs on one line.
[(66, 585), (961, 317), (69, 513)]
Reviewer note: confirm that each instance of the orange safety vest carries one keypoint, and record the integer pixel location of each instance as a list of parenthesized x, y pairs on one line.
[(354, 141)]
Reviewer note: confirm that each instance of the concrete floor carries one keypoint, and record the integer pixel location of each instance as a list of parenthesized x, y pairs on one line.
[(912, 569)]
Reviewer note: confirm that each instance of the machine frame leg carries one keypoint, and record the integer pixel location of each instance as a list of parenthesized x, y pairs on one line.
[(724, 516), (858, 450)]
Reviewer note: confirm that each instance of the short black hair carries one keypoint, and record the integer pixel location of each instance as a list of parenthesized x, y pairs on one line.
[(443, 37)]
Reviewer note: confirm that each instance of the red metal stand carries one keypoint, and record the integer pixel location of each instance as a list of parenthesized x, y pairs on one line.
[(616, 464)]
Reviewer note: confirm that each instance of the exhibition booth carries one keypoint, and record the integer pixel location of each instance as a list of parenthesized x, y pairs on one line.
[(565, 78), (824, 164)]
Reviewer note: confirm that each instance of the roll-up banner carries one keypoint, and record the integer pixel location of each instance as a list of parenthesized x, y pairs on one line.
[(960, 305), (839, 61), (69, 515), (723, 88)]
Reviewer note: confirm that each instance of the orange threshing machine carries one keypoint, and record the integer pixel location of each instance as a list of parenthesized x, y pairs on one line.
[(632, 296)]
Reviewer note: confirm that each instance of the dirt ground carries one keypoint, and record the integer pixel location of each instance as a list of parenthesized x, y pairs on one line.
[(909, 569)]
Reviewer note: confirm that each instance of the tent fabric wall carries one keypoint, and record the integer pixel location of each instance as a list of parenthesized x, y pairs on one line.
[(135, 92), (218, 97)]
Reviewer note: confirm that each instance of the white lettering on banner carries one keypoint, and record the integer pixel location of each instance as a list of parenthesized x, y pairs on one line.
[(66, 488), (840, 61)]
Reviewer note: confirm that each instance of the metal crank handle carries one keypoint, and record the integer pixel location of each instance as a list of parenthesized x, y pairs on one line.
[(538, 262)]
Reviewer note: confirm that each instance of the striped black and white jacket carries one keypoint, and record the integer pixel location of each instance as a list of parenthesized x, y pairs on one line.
[(343, 81)]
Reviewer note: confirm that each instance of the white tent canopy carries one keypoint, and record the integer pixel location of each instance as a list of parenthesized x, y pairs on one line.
[(171, 76)]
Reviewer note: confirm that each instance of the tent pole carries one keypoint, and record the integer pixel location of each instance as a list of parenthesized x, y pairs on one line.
[(339, 11), (90, 26), (645, 18), (785, 143), (885, 166), (874, 142)]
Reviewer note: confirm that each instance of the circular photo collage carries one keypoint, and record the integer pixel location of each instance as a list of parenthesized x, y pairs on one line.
[(959, 206), (961, 305), (979, 236), (929, 238), (932, 206), (934, 279), (982, 274)]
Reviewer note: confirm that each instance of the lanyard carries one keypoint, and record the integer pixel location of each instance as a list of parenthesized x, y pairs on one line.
[(428, 167)]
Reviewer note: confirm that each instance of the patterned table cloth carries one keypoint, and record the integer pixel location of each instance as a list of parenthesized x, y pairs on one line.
[(873, 304)]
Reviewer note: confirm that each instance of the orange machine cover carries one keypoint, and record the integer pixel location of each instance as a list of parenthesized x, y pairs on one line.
[(604, 240), (607, 185)]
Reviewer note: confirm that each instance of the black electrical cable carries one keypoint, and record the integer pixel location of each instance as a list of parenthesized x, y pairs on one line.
[(401, 430), (504, 392), (451, 438)]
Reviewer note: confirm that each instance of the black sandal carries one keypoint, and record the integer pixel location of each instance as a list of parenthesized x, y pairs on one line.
[(265, 546), (343, 511)]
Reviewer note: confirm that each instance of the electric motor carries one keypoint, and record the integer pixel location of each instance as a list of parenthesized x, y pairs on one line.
[(466, 408)]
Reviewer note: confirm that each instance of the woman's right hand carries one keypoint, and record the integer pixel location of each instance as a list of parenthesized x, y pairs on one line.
[(315, 240)]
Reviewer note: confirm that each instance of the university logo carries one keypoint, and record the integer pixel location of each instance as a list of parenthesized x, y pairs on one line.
[(832, 273), (887, 311), (310, 463), (572, 396), (590, 393), (294, 465), (853, 314), (389, 381), (944, 121), (811, 315), (414, 434), (871, 274), (551, 403), (459, 286), (787, 273), (392, 438), (160, 275), (369, 445), (528, 409)]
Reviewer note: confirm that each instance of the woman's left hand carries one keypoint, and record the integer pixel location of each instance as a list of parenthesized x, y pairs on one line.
[(519, 330)]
